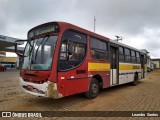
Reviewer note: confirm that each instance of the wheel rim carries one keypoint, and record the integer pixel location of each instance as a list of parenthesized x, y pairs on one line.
[(94, 89)]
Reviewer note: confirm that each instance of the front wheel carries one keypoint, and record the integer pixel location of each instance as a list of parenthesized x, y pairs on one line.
[(93, 89)]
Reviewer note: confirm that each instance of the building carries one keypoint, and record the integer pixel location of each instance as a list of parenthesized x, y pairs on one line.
[(2, 55), (9, 62), (156, 63), (153, 65), (149, 61), (7, 45)]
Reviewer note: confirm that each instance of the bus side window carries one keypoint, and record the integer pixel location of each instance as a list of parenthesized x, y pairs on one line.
[(138, 57), (73, 50), (63, 53), (127, 55), (121, 54), (99, 49), (133, 54)]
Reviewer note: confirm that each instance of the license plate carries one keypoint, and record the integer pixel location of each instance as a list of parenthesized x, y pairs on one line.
[(30, 87)]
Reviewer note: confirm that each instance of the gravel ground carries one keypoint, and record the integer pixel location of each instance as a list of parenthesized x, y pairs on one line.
[(143, 97)]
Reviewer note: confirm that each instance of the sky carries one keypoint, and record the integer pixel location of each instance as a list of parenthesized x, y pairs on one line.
[(137, 21)]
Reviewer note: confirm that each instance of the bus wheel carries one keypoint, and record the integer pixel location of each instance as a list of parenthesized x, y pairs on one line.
[(93, 89), (135, 82)]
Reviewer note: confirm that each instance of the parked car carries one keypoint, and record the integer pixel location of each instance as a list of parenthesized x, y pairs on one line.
[(2, 68), (149, 69)]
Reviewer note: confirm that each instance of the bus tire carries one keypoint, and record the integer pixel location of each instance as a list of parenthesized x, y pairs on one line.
[(93, 89), (135, 82)]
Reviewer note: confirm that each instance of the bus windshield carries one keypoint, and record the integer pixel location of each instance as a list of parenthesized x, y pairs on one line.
[(39, 53)]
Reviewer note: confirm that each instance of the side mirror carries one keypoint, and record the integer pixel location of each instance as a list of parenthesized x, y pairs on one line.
[(19, 50)]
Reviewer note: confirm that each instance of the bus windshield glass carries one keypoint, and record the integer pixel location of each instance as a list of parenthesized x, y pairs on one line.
[(39, 53)]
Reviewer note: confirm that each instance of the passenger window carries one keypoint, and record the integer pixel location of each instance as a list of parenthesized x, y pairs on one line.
[(127, 52), (121, 50), (138, 57), (127, 55), (121, 54), (99, 49), (133, 54), (64, 53), (73, 50)]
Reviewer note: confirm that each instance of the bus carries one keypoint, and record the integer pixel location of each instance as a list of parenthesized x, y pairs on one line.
[(61, 59)]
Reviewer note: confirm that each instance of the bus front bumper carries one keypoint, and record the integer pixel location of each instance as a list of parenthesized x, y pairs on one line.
[(47, 89)]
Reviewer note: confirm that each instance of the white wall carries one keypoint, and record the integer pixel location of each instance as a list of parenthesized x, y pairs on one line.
[(157, 63)]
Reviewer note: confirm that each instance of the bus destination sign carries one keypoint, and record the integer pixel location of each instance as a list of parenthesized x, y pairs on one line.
[(43, 30)]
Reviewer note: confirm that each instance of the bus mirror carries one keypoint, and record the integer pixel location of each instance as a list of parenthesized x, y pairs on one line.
[(19, 49)]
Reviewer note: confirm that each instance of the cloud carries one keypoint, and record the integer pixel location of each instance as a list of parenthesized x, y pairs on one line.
[(127, 18)]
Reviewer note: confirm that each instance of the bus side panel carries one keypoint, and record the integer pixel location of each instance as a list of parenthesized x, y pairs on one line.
[(106, 79), (74, 81), (77, 86), (145, 71), (100, 71), (72, 86), (104, 75), (127, 72), (62, 84)]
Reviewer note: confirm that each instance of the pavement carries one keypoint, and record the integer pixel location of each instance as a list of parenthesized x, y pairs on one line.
[(143, 97)]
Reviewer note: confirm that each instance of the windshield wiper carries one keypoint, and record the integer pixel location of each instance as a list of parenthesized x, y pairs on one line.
[(40, 45), (29, 41), (31, 47)]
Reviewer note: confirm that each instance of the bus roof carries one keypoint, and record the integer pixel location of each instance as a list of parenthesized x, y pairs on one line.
[(65, 25), (127, 46)]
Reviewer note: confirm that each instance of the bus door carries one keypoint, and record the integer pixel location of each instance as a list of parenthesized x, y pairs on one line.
[(142, 66), (114, 65)]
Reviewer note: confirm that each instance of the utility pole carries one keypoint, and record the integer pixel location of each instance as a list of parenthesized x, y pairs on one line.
[(94, 23)]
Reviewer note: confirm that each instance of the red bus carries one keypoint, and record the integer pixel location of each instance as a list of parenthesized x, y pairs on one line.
[(2, 68), (61, 59)]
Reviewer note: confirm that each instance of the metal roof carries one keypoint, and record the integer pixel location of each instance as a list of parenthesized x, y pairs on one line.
[(7, 43)]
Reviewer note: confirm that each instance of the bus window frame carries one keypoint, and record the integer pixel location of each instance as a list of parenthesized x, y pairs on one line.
[(138, 57), (126, 55), (41, 36), (121, 54), (95, 49), (61, 40), (135, 59)]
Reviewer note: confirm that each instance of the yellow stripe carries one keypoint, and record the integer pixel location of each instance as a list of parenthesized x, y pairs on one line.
[(129, 67), (106, 66), (98, 66), (145, 68)]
